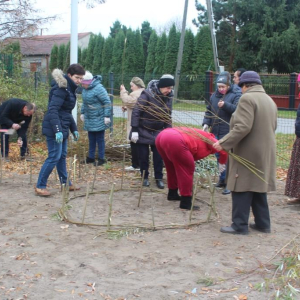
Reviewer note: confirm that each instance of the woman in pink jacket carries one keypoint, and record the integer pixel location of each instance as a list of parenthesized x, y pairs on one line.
[(180, 147)]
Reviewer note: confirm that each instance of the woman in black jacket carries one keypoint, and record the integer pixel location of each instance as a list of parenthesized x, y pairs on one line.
[(58, 121)]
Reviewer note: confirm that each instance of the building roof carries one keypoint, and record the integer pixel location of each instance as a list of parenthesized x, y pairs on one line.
[(42, 44)]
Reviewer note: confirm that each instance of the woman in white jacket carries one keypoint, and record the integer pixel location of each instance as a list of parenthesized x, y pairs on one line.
[(137, 86)]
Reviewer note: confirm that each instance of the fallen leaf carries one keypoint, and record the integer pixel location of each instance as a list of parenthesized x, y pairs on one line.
[(243, 297)]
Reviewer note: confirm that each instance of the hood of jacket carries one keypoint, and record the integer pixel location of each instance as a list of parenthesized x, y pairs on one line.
[(59, 78), (155, 91), (96, 80)]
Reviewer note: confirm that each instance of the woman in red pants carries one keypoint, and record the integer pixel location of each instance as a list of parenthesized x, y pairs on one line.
[(179, 148)]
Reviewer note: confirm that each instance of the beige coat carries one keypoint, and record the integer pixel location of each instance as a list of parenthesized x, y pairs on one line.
[(129, 101), (252, 136)]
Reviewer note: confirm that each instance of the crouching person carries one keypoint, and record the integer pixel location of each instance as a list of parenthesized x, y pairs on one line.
[(180, 147)]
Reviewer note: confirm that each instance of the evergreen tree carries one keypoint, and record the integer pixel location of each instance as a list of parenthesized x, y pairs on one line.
[(53, 58), (160, 54), (150, 63), (90, 52), (67, 57), (83, 57), (139, 66), (117, 53), (188, 53), (79, 55), (203, 51), (98, 54), (146, 32), (171, 51), (61, 54), (117, 26), (106, 59)]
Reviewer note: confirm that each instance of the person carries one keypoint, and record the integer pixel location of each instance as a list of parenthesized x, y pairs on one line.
[(220, 108), (292, 187), (137, 86), (251, 137), (151, 114), (57, 123), (16, 114), (180, 147), (95, 113), (236, 76)]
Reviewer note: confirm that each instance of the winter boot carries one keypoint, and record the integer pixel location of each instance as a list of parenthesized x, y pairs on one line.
[(173, 195), (221, 184), (100, 162), (88, 160), (186, 203)]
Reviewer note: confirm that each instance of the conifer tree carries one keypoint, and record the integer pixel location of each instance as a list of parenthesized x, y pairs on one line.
[(98, 54), (171, 51), (61, 54), (67, 57), (146, 32), (79, 55), (139, 66), (188, 53), (90, 52), (53, 58), (117, 56), (150, 63), (160, 54), (117, 26), (83, 57), (106, 59)]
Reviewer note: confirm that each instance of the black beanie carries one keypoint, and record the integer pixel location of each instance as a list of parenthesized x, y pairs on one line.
[(166, 81)]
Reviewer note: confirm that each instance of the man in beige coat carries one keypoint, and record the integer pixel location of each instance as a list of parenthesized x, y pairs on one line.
[(137, 86), (252, 137)]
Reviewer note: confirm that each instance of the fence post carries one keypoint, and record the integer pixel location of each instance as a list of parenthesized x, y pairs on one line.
[(208, 84), (293, 87), (111, 85)]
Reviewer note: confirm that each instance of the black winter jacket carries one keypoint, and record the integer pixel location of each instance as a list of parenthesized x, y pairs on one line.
[(220, 126), (151, 114), (11, 112), (62, 100)]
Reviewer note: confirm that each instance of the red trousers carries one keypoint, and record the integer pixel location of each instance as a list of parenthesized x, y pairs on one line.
[(178, 160)]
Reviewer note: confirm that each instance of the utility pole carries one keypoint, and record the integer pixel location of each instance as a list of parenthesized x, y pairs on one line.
[(74, 42), (213, 36), (180, 51)]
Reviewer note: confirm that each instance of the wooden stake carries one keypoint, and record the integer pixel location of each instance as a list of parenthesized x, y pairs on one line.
[(123, 167), (30, 165), (141, 188), (212, 197), (111, 197), (193, 199), (95, 174), (86, 201)]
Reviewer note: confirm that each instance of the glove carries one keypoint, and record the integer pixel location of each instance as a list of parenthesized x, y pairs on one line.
[(59, 137), (222, 168), (82, 118), (106, 121), (134, 137), (76, 136), (15, 126), (205, 127)]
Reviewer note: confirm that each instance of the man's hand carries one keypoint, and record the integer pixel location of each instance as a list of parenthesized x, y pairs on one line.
[(134, 137), (124, 108), (76, 136), (106, 121), (59, 137), (217, 146), (16, 126), (82, 117), (205, 127), (20, 142)]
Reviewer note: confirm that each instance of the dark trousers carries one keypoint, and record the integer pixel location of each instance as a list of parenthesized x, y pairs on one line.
[(241, 204), (134, 155), (143, 150), (23, 149)]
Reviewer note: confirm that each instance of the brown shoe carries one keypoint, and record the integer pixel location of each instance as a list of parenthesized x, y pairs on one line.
[(293, 201), (73, 188), (42, 192)]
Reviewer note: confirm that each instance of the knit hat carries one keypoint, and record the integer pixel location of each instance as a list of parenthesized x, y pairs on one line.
[(224, 78), (165, 81), (138, 82), (87, 78), (249, 77)]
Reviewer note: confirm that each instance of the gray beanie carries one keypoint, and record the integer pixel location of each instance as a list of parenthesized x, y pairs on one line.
[(138, 82), (249, 77), (166, 81), (224, 78)]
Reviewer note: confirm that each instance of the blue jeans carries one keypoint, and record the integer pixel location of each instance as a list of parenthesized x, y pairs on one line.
[(57, 154), (96, 138)]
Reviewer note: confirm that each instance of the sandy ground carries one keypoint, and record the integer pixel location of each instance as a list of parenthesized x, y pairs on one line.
[(43, 257)]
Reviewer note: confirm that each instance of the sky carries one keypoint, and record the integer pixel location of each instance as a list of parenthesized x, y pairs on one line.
[(131, 13)]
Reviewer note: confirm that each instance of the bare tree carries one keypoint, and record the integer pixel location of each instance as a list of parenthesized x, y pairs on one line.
[(19, 18), (92, 3)]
